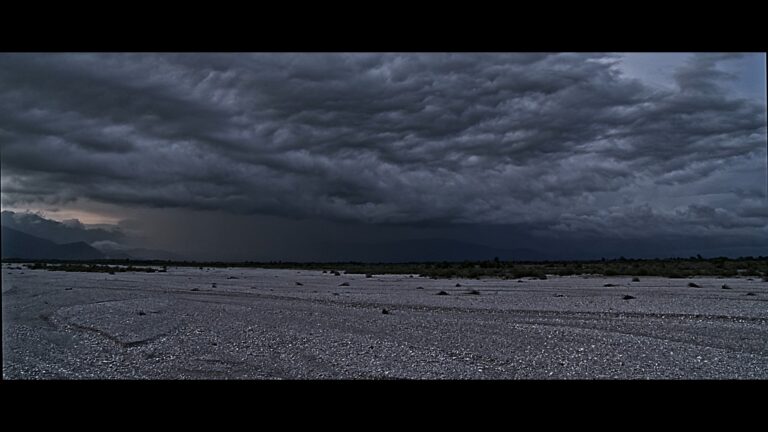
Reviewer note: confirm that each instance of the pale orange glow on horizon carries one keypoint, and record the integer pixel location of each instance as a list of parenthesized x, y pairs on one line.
[(59, 215)]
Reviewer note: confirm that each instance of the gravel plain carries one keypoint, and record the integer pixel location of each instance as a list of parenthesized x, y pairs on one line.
[(237, 323)]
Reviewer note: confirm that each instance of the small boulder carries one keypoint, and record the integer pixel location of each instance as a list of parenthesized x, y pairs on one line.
[(442, 293), (627, 297)]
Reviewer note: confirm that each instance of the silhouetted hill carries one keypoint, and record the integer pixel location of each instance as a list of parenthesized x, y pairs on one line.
[(55, 231), (17, 244)]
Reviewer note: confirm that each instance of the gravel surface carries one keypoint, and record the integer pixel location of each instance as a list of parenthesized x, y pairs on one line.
[(236, 323)]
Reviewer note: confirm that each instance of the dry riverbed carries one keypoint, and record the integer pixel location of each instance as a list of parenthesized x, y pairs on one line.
[(238, 323)]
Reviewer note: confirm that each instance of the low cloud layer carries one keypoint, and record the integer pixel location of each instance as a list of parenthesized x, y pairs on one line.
[(564, 143)]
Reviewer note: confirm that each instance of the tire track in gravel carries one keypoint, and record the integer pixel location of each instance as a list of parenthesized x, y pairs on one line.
[(586, 320), (596, 321), (605, 322)]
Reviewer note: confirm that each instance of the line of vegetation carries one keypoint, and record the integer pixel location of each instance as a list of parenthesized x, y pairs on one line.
[(674, 268), (93, 268)]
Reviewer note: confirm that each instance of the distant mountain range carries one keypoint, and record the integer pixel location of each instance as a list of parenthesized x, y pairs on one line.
[(20, 245), (17, 244)]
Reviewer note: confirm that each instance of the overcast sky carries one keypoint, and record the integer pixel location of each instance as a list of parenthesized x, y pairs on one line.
[(272, 156)]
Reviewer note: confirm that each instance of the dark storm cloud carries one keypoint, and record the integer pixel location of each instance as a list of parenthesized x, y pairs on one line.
[(561, 141)]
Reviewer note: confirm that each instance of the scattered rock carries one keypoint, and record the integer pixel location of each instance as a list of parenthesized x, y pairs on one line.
[(558, 295), (519, 281), (751, 294), (368, 276), (68, 289), (213, 285), (195, 289), (384, 311), (112, 273), (299, 284), (233, 277), (458, 285), (609, 285), (142, 313), (419, 287), (725, 286), (344, 284), (336, 273), (474, 292), (627, 297), (635, 279), (410, 276), (442, 293), (325, 271), (335, 294), (693, 285)]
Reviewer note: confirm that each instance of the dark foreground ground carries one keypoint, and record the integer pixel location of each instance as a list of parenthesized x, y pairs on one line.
[(261, 324)]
